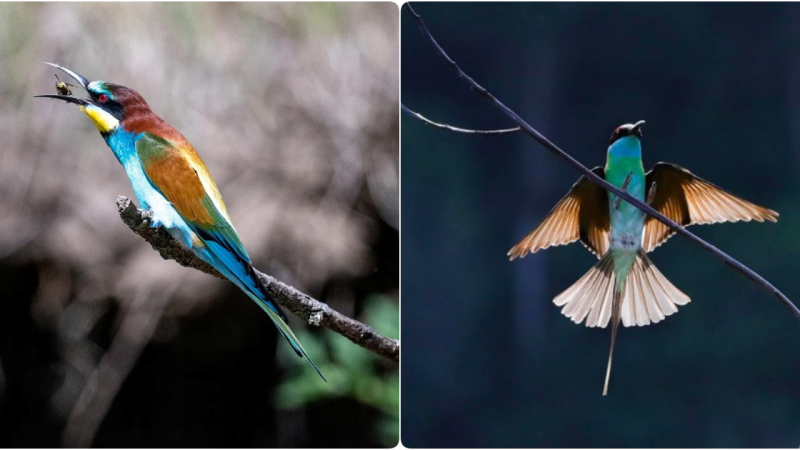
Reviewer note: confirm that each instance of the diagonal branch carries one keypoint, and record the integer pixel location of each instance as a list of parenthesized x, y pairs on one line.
[(302, 305), (445, 126), (724, 257)]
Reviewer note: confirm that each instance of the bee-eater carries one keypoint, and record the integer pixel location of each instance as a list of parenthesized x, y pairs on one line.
[(625, 285), (169, 178)]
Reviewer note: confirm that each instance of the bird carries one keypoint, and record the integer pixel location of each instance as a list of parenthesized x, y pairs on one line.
[(170, 179), (624, 286)]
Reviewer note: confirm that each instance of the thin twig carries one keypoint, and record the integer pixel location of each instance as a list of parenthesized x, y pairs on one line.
[(304, 306), (725, 258), (445, 126)]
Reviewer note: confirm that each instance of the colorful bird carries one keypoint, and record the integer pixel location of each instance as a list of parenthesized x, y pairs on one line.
[(169, 178), (625, 285)]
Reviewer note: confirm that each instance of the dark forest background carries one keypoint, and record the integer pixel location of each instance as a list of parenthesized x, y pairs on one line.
[(488, 360), (294, 108)]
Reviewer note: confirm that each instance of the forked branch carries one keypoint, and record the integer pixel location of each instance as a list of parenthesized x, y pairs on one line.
[(530, 131), (302, 305)]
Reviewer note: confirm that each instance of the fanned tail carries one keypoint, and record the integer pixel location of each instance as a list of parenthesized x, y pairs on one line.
[(645, 296), (590, 295)]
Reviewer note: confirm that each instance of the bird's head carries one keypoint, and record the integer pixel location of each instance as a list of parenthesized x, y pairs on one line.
[(629, 129), (108, 104)]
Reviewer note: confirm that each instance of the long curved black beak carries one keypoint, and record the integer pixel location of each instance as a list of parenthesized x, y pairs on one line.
[(66, 98), (84, 83), (636, 126)]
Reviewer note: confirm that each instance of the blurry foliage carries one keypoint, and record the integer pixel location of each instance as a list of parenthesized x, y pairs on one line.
[(351, 371)]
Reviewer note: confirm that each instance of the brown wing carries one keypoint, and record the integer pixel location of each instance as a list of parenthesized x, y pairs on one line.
[(581, 214), (688, 200)]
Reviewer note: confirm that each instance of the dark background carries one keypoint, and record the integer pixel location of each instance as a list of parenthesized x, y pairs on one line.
[(294, 109), (488, 360)]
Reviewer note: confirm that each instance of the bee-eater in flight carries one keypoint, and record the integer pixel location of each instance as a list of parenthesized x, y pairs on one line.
[(169, 178), (625, 285)]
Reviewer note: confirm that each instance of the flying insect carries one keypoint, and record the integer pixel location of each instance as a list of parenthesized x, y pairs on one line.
[(63, 88)]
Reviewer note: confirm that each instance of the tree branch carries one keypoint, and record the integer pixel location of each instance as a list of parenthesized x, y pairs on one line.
[(445, 126), (530, 131), (312, 311)]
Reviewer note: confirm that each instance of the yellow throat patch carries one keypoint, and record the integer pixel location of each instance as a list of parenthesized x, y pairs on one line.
[(104, 121)]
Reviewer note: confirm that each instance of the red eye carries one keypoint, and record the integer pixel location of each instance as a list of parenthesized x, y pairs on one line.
[(103, 98)]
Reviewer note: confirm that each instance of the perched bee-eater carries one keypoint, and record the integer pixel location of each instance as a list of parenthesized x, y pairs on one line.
[(625, 285), (169, 178)]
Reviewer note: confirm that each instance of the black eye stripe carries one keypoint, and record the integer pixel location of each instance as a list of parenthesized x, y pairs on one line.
[(114, 108), (110, 106)]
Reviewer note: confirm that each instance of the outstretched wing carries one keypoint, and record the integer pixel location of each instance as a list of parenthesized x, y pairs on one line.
[(182, 178), (581, 214), (688, 200)]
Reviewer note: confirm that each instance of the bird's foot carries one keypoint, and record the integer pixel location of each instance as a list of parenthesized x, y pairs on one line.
[(624, 187), (651, 194)]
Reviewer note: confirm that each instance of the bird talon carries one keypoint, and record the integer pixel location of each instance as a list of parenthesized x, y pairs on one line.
[(651, 194), (624, 187)]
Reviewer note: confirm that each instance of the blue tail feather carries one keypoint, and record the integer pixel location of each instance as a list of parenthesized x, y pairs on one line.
[(242, 274)]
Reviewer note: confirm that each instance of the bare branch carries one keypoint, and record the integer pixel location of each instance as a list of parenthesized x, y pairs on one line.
[(445, 126), (304, 306), (725, 258)]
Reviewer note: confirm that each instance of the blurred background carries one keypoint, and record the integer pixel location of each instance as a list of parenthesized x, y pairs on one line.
[(488, 360), (294, 108)]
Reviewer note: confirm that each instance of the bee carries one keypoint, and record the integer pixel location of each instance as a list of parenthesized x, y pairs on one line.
[(63, 88)]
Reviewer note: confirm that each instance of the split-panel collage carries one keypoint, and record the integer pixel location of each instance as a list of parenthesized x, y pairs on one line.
[(399, 225)]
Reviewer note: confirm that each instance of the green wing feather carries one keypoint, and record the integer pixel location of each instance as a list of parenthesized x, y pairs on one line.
[(179, 174)]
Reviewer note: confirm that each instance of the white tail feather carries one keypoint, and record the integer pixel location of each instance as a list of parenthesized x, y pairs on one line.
[(648, 297)]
